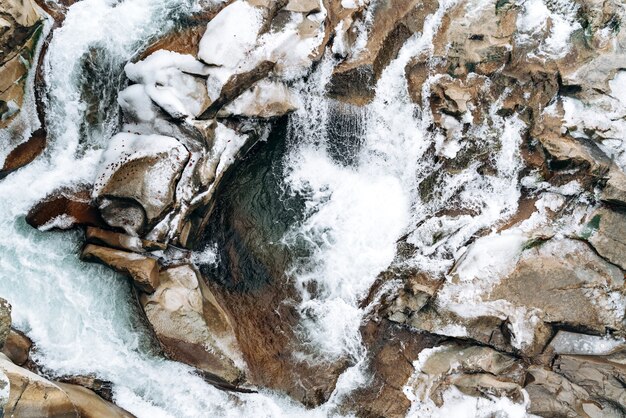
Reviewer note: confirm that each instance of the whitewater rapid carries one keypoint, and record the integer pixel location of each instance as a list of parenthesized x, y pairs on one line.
[(82, 317)]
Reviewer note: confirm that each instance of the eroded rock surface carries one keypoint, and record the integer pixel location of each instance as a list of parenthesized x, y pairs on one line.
[(191, 325)]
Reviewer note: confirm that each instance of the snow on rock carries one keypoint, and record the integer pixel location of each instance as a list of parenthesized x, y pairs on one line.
[(451, 380), (231, 35), (175, 82), (232, 51), (266, 99), (141, 169)]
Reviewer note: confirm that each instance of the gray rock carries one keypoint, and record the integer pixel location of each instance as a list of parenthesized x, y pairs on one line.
[(5, 321), (607, 230)]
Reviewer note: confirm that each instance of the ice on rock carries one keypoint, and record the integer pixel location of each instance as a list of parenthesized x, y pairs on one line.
[(136, 104), (175, 82), (234, 44), (231, 35), (566, 342)]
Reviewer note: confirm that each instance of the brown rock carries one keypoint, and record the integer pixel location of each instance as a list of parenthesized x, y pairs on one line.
[(33, 396), (103, 388), (121, 241), (17, 347), (394, 21), (475, 370), (21, 28), (303, 6), (569, 283), (552, 395), (90, 405), (137, 180), (393, 349), (143, 270), (614, 191), (24, 153), (64, 209), (191, 325)]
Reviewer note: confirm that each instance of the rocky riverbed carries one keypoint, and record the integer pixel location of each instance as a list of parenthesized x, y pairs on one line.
[(379, 208)]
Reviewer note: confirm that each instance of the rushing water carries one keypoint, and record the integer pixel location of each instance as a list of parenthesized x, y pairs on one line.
[(358, 190)]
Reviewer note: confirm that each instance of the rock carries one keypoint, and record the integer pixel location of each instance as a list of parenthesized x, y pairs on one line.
[(175, 82), (65, 209), (475, 42), (607, 229), (564, 147), (21, 27), (143, 270), (17, 347), (614, 191), (121, 241), (552, 395), (223, 43), (266, 99), (236, 85), (600, 376), (24, 153), (393, 22), (34, 396), (566, 342), (486, 329), (103, 388), (392, 349), (303, 6), (417, 291), (137, 179), (476, 371), (5, 321), (568, 283), (191, 326), (90, 405)]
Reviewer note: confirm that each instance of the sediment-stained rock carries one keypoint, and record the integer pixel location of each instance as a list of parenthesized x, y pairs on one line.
[(65, 209), (191, 325)]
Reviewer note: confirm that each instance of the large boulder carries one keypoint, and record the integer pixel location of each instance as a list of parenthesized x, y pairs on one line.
[(32, 396), (90, 405), (138, 178), (191, 326), (600, 376), (552, 395), (21, 28)]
